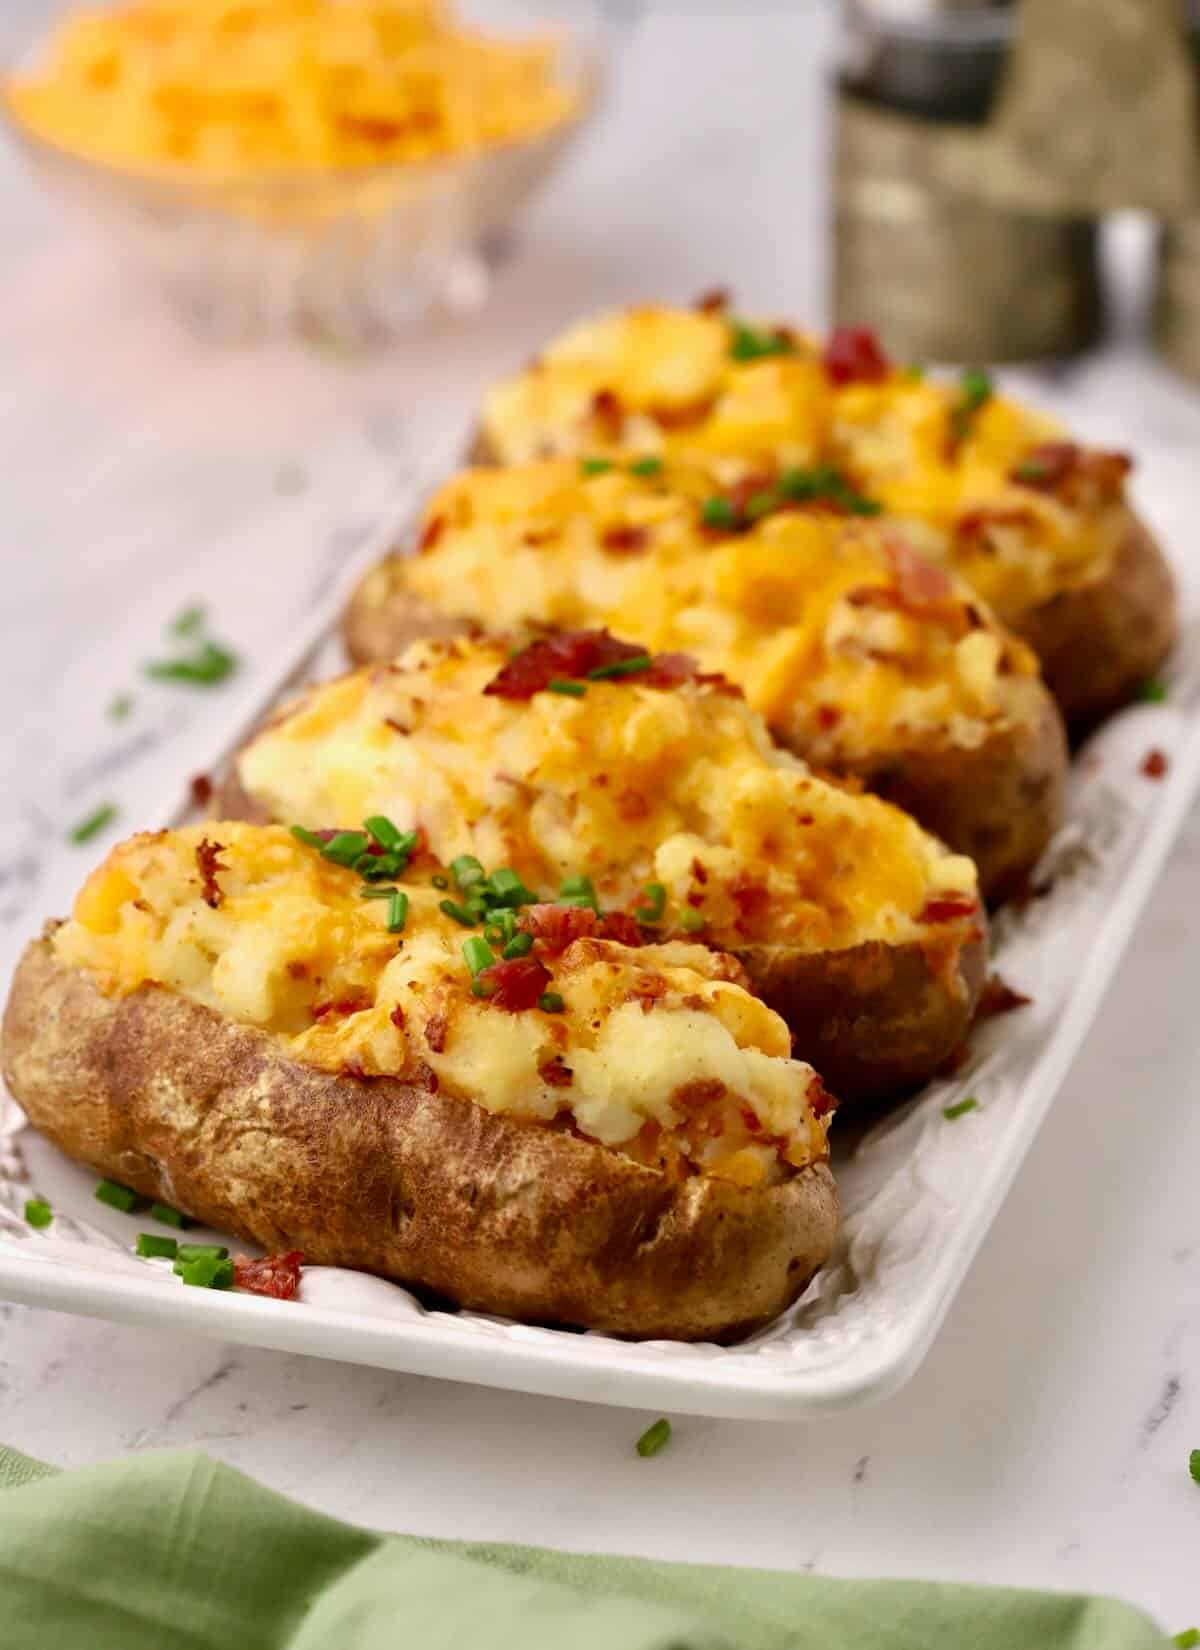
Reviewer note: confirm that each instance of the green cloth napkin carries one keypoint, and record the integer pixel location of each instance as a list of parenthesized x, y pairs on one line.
[(177, 1552)]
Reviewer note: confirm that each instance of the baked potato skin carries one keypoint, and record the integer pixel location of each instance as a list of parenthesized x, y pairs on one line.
[(181, 1104), (876, 1021), (1000, 802), (1097, 644)]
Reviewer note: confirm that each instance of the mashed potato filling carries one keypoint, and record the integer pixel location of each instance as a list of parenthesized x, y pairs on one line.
[(820, 620), (653, 1051), (627, 785), (700, 386)]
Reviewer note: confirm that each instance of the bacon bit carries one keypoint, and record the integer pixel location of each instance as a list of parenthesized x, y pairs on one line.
[(920, 582), (298, 970), (621, 928), (702, 1091), (947, 908), (396, 727), (1046, 465), (556, 1073), (750, 897), (1154, 764), (828, 716), (631, 805), (354, 1068), (517, 983), (700, 872), (277, 1276), (434, 528), (555, 927), (681, 417), (209, 862), (342, 1006), (975, 523), (624, 540), (608, 414), (435, 1032), (397, 1017), (647, 991), (820, 1101), (713, 302), (1068, 470), (751, 1121), (202, 790), (998, 997), (854, 355)]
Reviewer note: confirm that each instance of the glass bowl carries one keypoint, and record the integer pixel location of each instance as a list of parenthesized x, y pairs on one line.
[(341, 257)]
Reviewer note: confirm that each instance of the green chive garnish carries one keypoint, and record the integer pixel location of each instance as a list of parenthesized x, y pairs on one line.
[(761, 504), (93, 824), (206, 667), (207, 1272), (508, 889), (117, 1196), (397, 913), (188, 622), (718, 512), (976, 392), (150, 1246), (519, 946), (690, 920), (439, 881), (578, 890), (1152, 691), (120, 707), (1194, 1465), (1188, 1639), (170, 1217), (594, 466), (482, 988), (914, 372), (466, 871), (456, 911), (749, 344), (646, 467), (960, 1108), (654, 1438), (376, 892), (570, 690), (656, 894), (386, 834), (345, 848), (478, 954), (622, 667), (38, 1213), (551, 1003)]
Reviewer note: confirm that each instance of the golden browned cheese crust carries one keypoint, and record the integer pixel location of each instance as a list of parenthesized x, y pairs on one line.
[(181, 1104), (1097, 643)]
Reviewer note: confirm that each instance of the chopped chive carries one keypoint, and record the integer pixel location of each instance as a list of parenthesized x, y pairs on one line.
[(456, 911), (718, 512), (1152, 691), (117, 1196), (170, 1217), (914, 372), (385, 833), (761, 504), (646, 466), (150, 1246), (570, 690), (656, 894), (377, 892), (120, 708), (578, 890), (345, 848), (519, 946), (976, 388), (1194, 1465), (550, 1002), (439, 881), (196, 1251), (690, 919), (507, 889), (188, 622), (206, 667), (38, 1213), (466, 871), (494, 934), (397, 912), (654, 1438), (207, 1272), (1188, 1639), (594, 466), (93, 824), (960, 1108), (310, 839), (482, 988), (749, 344), (621, 667), (478, 954)]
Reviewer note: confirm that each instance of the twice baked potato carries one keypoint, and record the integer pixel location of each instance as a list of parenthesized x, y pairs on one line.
[(864, 659), (587, 1134), (1038, 524), (632, 786)]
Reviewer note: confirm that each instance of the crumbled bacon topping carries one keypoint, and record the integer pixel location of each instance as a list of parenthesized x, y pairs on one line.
[(572, 655), (947, 908), (920, 582), (555, 1072), (433, 530), (555, 927), (436, 1027), (974, 524), (854, 355), (1070, 471), (355, 1003), (608, 414), (397, 1017), (209, 862), (516, 984), (624, 539), (1154, 764), (202, 790), (713, 302), (275, 1275), (820, 1101)]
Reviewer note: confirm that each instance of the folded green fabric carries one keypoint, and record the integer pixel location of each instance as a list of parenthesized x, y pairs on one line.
[(176, 1552)]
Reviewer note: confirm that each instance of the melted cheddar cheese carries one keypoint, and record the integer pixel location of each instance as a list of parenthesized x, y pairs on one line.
[(807, 612), (628, 785), (273, 936), (668, 382)]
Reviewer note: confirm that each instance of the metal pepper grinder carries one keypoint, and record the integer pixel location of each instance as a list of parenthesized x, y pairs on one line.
[(939, 269)]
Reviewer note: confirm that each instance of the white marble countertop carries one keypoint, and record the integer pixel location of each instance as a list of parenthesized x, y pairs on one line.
[(1045, 1440)]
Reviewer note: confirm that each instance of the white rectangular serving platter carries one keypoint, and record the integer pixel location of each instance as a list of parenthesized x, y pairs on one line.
[(919, 1192)]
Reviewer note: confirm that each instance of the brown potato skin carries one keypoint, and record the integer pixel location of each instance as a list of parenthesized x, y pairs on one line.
[(1000, 802), (498, 1216), (1097, 644), (876, 1021)]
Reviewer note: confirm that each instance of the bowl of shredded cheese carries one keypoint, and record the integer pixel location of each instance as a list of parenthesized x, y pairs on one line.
[(336, 167)]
